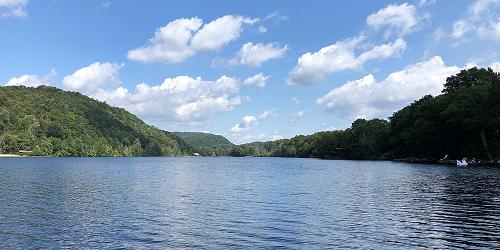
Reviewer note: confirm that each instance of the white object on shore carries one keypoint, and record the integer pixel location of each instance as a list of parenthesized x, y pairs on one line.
[(462, 163)]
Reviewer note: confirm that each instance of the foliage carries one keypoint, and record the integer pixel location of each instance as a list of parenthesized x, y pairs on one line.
[(205, 143), (49, 121), (465, 121), (462, 122), (364, 140)]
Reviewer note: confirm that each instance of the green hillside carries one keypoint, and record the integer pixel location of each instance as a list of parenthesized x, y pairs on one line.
[(205, 143), (200, 139), (49, 121)]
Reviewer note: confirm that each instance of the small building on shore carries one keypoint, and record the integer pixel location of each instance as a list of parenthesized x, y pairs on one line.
[(24, 152)]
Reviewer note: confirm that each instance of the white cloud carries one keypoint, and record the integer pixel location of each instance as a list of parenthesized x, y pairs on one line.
[(219, 32), (170, 43), (295, 100), (402, 18), (312, 68), (490, 30), (26, 80), (181, 99), (13, 8), (367, 98), (461, 27), (297, 115), (262, 29), (470, 64), (31, 80), (480, 6), (495, 66), (423, 3), (182, 38), (354, 52), (256, 54), (247, 121), (91, 78), (250, 120), (482, 19), (383, 51), (268, 113), (258, 80)]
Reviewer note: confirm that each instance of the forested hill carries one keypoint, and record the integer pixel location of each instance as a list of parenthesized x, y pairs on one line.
[(200, 139), (206, 144), (464, 121), (49, 121)]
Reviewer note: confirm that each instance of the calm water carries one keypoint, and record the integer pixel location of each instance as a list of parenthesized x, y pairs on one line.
[(244, 203)]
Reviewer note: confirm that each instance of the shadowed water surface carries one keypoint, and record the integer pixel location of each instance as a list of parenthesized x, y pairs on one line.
[(245, 203)]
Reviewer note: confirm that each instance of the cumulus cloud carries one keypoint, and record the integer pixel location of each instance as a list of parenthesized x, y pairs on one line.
[(26, 80), (250, 120), (184, 37), (482, 20), (31, 80), (91, 78), (180, 99), (258, 80), (13, 8), (368, 98), (352, 53), (312, 68), (402, 18), (247, 121), (256, 54), (219, 32)]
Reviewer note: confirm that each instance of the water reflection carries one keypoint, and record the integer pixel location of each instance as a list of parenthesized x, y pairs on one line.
[(243, 203)]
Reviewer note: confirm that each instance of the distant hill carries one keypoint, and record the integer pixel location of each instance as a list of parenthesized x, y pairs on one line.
[(52, 122), (200, 139)]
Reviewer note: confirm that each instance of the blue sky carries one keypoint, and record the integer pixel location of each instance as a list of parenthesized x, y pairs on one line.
[(246, 70)]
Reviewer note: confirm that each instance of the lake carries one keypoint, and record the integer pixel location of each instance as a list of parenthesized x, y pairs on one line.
[(198, 202)]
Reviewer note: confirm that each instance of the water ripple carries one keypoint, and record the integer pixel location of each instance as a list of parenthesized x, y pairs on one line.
[(158, 203)]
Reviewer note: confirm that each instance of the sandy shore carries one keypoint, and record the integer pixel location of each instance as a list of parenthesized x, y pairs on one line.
[(9, 155)]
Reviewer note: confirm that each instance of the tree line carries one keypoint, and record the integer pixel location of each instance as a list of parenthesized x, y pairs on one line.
[(464, 121)]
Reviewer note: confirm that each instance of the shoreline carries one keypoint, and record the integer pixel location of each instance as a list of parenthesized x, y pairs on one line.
[(10, 156), (446, 163), (428, 161)]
